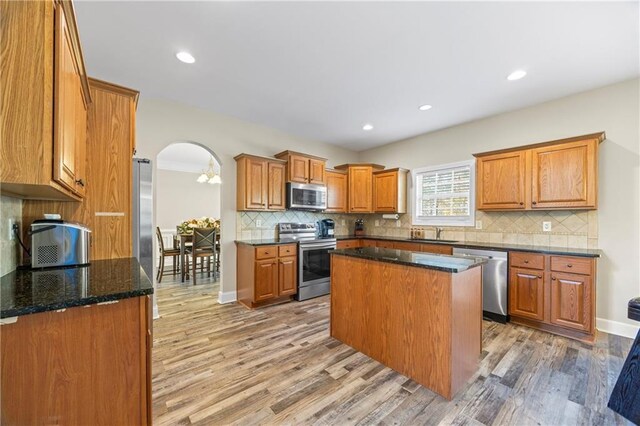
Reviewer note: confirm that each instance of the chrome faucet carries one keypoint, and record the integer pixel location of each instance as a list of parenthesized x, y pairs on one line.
[(438, 232)]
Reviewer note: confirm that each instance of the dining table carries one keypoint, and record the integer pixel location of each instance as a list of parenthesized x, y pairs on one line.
[(184, 240)]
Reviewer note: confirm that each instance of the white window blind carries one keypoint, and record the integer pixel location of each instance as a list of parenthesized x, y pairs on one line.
[(444, 195)]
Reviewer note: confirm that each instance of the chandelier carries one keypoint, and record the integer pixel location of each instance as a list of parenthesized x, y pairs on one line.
[(210, 175)]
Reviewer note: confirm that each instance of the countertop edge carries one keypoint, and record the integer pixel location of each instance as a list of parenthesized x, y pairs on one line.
[(94, 300)]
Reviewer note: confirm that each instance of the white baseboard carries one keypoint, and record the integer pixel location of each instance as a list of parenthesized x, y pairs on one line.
[(227, 297), (617, 328)]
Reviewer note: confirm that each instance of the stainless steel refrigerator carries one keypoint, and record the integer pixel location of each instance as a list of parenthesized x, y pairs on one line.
[(142, 210)]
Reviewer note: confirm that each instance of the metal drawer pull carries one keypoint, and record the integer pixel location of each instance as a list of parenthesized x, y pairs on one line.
[(526, 261), (569, 265), (553, 278), (539, 276)]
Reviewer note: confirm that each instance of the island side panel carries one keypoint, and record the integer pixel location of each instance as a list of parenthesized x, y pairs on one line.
[(397, 315), (466, 326)]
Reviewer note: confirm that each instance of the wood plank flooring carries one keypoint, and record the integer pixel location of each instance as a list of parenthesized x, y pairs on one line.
[(223, 364)]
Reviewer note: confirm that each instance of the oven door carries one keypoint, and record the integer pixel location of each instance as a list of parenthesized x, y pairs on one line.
[(315, 263), (305, 196)]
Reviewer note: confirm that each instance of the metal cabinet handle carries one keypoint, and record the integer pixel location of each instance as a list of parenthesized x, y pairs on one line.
[(569, 265), (521, 203), (534, 203), (526, 261), (539, 276), (80, 182), (553, 278)]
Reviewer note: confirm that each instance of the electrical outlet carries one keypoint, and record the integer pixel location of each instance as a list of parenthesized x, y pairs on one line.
[(259, 223), (398, 224), (12, 235), (377, 223), (546, 226), (478, 224)]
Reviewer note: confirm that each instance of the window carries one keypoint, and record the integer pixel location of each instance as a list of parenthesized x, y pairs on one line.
[(444, 195)]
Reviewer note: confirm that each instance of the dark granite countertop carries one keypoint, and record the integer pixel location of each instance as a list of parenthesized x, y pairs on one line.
[(439, 262), (29, 291), (494, 246), (264, 242)]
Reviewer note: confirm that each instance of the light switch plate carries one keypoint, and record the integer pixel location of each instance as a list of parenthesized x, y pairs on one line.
[(259, 223), (478, 224), (546, 226)]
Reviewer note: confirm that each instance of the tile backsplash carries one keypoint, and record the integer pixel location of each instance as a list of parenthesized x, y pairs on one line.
[(576, 229), (10, 208)]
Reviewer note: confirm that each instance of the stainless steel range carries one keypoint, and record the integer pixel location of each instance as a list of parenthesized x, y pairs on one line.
[(314, 260)]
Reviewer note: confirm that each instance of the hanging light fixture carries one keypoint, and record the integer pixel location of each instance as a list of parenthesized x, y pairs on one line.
[(210, 175)]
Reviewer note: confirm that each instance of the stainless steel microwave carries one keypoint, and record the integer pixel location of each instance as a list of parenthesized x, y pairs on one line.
[(306, 196)]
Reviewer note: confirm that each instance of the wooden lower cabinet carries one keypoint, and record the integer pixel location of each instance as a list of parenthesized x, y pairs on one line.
[(526, 293), (345, 244), (266, 274), (87, 365), (555, 293)]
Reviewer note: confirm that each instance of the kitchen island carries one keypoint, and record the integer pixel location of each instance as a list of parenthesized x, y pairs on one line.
[(417, 313), (76, 345)]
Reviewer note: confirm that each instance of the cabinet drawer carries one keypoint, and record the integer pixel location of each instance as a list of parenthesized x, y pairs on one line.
[(346, 244), (266, 252), (406, 246), (527, 260), (574, 265), (287, 250)]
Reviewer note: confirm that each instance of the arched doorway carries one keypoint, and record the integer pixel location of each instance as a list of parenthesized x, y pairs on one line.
[(187, 186)]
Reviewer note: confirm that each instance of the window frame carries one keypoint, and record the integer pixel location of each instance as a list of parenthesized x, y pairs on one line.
[(444, 220)]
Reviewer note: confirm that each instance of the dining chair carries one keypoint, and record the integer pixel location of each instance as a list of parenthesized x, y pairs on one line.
[(203, 247), (165, 252)]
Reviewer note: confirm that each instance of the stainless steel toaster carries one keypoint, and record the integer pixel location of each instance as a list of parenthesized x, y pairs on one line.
[(59, 243)]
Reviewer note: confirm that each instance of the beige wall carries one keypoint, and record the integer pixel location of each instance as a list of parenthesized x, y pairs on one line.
[(613, 109), (10, 209), (160, 123), (180, 197)]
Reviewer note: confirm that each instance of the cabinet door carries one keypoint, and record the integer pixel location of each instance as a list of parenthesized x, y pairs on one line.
[(564, 176), (571, 301), (384, 244), (316, 171), (336, 192), (526, 293), (266, 279), (276, 181), (287, 276), (256, 184), (501, 181), (385, 192), (360, 189), (66, 88), (81, 145), (298, 169)]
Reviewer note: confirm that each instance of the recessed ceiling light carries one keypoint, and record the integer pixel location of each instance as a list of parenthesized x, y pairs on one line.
[(367, 127), (185, 57), (425, 107), (516, 75)]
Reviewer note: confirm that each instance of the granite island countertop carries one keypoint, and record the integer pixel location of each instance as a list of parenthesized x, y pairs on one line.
[(439, 262), (30, 291)]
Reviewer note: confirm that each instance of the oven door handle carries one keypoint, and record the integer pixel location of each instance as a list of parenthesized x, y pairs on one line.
[(318, 246)]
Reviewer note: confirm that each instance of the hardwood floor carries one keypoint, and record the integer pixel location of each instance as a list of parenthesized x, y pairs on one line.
[(224, 364)]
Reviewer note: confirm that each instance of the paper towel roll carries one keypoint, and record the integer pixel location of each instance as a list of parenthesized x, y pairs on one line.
[(391, 216)]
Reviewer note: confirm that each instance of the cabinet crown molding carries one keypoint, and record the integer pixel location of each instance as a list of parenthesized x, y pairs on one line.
[(285, 154), (372, 165), (94, 83), (258, 157), (600, 136)]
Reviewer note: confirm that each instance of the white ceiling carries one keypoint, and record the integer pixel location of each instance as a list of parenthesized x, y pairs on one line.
[(185, 157), (321, 70)]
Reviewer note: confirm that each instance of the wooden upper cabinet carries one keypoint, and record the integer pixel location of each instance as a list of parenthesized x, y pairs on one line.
[(303, 168), (276, 197), (390, 191), (501, 181), (261, 183), (565, 175), (552, 175), (360, 186), (43, 134), (336, 191), (316, 171)]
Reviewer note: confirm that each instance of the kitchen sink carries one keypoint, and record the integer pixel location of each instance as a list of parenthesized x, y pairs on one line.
[(432, 240)]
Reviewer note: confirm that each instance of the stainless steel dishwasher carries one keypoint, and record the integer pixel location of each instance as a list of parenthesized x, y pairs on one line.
[(494, 281)]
